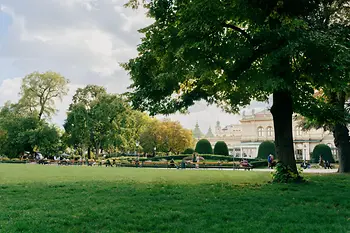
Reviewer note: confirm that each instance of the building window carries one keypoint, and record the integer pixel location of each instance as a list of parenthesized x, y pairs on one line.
[(269, 131), (298, 131), (260, 131)]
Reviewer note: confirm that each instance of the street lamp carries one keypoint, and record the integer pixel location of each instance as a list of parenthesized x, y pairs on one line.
[(155, 149), (137, 146)]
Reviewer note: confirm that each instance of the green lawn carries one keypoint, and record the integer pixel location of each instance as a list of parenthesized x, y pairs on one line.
[(38, 198)]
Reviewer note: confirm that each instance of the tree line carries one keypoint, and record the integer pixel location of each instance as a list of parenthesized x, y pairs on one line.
[(97, 122)]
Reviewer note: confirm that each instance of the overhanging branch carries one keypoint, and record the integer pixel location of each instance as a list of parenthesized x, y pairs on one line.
[(240, 30)]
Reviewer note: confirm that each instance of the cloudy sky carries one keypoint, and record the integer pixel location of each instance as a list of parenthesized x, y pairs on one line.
[(84, 40)]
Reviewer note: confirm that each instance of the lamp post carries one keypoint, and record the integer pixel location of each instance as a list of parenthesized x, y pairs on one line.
[(155, 150)]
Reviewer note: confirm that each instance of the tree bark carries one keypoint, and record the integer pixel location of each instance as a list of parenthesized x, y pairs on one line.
[(341, 141), (282, 112), (341, 133), (89, 153)]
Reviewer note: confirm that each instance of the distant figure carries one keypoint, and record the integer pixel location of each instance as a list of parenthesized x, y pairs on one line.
[(269, 161), (197, 161), (321, 162)]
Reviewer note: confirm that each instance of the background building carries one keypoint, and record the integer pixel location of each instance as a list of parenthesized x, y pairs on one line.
[(243, 139)]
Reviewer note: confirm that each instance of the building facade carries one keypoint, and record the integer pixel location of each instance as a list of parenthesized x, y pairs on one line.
[(243, 139)]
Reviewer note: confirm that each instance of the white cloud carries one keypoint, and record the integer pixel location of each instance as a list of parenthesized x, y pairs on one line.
[(84, 40)]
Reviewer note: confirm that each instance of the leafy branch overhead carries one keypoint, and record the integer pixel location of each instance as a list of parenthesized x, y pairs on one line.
[(227, 53)]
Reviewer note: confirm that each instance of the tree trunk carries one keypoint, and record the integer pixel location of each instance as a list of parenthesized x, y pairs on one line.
[(89, 153), (282, 112), (341, 133), (97, 147), (341, 141)]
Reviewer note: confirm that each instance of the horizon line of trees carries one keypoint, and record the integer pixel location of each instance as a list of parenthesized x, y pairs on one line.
[(97, 122)]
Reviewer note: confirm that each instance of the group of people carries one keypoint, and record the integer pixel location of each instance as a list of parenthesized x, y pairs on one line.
[(325, 164)]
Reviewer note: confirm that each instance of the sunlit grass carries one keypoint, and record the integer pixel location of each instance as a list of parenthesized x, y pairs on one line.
[(97, 199)]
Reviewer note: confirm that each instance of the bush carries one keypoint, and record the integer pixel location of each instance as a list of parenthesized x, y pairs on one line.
[(188, 151), (221, 148), (265, 149), (323, 150), (204, 147)]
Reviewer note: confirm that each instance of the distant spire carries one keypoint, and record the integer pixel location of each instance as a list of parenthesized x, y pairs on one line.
[(197, 131), (209, 133)]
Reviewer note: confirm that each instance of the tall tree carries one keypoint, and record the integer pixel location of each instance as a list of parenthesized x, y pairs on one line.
[(329, 109), (228, 53), (40, 90)]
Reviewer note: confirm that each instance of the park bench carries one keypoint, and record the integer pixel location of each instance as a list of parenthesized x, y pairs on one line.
[(245, 167)]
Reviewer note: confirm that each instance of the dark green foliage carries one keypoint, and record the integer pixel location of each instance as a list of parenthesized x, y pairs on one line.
[(221, 148), (323, 150), (266, 148), (188, 151), (284, 174), (203, 146)]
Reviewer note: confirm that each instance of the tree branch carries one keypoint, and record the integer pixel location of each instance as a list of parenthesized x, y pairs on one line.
[(240, 30)]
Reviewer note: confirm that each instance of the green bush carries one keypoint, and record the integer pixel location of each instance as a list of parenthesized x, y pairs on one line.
[(266, 148), (220, 148), (323, 150), (204, 147), (188, 151)]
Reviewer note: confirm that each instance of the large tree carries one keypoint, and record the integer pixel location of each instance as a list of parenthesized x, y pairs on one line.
[(39, 91), (25, 132), (328, 107), (100, 120), (228, 53)]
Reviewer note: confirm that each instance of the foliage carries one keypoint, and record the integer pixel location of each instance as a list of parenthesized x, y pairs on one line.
[(165, 136), (203, 146), (284, 174), (98, 120), (188, 151), (19, 133), (325, 151), (238, 52), (221, 148), (39, 92), (266, 148)]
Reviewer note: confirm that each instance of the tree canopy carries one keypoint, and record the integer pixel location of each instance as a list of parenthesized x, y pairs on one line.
[(39, 91), (230, 52)]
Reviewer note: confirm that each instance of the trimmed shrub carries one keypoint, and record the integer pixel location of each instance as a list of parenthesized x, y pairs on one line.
[(325, 151), (204, 147), (220, 148), (266, 148), (188, 151)]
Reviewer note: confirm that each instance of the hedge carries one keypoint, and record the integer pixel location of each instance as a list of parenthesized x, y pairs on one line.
[(221, 148), (188, 151), (323, 150), (265, 149), (203, 146)]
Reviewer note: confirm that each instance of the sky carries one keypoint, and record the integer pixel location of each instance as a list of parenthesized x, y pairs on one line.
[(84, 40)]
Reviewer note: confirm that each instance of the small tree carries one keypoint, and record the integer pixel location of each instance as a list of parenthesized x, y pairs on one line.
[(221, 148), (323, 150), (204, 147), (188, 151), (266, 148)]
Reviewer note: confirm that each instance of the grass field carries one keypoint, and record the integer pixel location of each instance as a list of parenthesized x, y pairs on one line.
[(36, 198)]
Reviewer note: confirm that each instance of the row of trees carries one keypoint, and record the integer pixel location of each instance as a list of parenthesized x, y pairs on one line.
[(230, 52), (96, 121)]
